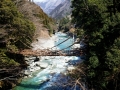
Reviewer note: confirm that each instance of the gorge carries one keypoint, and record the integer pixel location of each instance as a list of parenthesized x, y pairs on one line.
[(49, 72), (25, 26), (22, 24)]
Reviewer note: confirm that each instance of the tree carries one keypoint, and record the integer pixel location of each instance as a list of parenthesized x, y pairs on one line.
[(17, 32), (101, 24)]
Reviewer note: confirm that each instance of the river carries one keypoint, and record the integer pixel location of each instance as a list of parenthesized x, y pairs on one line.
[(53, 73)]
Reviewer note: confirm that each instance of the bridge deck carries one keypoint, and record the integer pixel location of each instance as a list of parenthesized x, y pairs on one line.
[(46, 52)]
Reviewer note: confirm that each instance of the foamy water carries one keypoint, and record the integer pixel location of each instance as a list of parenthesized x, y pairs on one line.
[(44, 43), (55, 65)]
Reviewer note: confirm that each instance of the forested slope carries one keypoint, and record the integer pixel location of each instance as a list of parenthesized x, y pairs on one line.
[(44, 25), (17, 28), (100, 20)]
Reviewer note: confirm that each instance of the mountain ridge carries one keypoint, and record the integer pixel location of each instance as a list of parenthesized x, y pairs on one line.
[(48, 6), (62, 10)]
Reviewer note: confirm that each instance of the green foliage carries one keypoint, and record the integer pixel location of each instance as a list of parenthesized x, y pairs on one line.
[(64, 24), (100, 19), (19, 31), (5, 60), (113, 56), (50, 29), (22, 29), (94, 61), (7, 11), (24, 32), (16, 33), (64, 21), (48, 22), (79, 32)]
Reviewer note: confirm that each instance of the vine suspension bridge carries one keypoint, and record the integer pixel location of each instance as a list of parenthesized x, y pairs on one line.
[(52, 52)]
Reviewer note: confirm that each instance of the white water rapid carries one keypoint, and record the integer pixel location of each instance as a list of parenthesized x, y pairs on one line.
[(49, 72)]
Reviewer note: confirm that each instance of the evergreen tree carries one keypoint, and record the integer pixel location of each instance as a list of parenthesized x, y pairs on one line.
[(100, 19)]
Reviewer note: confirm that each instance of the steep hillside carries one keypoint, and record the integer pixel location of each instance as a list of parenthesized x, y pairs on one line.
[(62, 10), (35, 14), (20, 20), (16, 33)]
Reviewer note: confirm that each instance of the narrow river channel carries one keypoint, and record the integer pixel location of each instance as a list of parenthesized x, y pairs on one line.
[(52, 74)]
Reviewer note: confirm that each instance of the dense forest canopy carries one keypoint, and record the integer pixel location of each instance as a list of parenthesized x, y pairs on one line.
[(100, 20), (16, 33), (19, 30)]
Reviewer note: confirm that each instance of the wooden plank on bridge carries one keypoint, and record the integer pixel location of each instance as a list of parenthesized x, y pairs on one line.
[(46, 52)]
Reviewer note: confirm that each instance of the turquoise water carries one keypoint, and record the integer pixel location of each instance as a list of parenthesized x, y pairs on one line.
[(45, 79), (62, 37)]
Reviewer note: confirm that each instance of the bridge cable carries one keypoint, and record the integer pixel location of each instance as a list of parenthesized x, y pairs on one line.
[(67, 47), (60, 43)]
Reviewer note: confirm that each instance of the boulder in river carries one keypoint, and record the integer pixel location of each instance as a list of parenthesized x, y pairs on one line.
[(43, 65)]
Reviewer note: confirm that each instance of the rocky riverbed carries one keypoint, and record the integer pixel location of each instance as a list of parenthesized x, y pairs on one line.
[(44, 72), (43, 62)]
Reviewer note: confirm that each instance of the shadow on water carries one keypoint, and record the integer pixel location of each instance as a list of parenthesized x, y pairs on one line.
[(63, 88), (74, 62), (32, 86), (61, 82)]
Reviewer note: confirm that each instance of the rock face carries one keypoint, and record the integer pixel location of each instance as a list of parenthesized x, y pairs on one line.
[(61, 10), (49, 5)]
